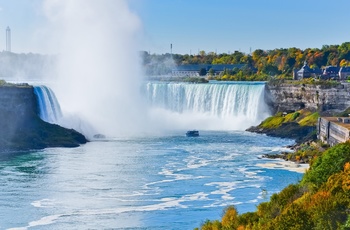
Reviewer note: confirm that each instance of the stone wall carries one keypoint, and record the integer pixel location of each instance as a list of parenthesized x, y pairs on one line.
[(333, 130), (286, 97)]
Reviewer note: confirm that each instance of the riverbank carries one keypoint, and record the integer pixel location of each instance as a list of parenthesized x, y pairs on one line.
[(289, 130), (298, 125)]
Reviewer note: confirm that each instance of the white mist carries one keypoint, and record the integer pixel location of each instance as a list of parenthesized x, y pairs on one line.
[(98, 75)]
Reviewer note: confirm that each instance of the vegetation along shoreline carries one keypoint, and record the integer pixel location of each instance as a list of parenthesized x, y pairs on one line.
[(321, 200)]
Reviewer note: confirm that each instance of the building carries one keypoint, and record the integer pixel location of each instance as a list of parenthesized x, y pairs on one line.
[(304, 72), (194, 69), (344, 73), (330, 72), (333, 130)]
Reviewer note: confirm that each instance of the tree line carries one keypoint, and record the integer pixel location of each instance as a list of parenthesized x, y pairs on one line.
[(260, 64)]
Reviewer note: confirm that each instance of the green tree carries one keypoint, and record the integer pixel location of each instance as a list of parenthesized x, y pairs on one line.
[(202, 72), (294, 218), (211, 72), (208, 225), (270, 70), (331, 161), (230, 218)]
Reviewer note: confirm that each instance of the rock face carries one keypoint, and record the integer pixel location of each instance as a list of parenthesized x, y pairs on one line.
[(22, 129), (286, 97), (283, 97), (291, 130)]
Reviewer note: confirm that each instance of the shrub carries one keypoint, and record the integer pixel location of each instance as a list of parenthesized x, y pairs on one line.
[(248, 218), (331, 161), (272, 122), (291, 117), (208, 225), (309, 120), (294, 218), (347, 224), (230, 218)]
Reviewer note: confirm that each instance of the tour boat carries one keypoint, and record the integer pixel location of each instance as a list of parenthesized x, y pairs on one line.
[(192, 133)]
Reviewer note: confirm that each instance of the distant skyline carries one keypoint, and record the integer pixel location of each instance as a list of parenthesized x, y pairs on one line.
[(221, 26)]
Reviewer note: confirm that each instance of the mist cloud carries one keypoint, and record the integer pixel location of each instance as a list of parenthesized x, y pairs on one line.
[(99, 72)]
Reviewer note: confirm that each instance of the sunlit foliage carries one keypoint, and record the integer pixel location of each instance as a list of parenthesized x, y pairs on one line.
[(321, 201), (260, 64)]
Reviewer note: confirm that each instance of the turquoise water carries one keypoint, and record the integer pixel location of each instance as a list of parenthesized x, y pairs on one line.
[(158, 182)]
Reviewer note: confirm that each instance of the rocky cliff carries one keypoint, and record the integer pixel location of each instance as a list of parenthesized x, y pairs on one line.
[(22, 129), (315, 99), (285, 97)]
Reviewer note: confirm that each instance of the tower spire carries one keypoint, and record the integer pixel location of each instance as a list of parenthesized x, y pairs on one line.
[(8, 39)]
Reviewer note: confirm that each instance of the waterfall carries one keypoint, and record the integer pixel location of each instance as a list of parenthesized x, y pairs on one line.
[(49, 108), (219, 105), (178, 106)]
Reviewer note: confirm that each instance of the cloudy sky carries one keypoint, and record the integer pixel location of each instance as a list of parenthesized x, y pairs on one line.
[(191, 25)]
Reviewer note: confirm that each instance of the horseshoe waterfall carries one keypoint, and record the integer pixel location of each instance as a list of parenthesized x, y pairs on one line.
[(181, 106), (215, 106)]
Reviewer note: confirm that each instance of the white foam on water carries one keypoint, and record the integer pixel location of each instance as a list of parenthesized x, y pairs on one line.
[(222, 204), (44, 221), (164, 203), (250, 174), (198, 196), (252, 201), (44, 203), (47, 220), (285, 165), (176, 176), (195, 163), (223, 188)]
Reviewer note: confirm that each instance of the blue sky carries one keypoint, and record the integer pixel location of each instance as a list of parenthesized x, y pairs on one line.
[(229, 25), (220, 26)]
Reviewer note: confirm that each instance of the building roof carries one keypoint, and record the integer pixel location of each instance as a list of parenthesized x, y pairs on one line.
[(344, 69), (335, 120), (305, 69), (331, 69)]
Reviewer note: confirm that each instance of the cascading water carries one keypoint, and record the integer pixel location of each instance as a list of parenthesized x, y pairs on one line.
[(49, 108), (216, 106), (171, 106), (50, 111)]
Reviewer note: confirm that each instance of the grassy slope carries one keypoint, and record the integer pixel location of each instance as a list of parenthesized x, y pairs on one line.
[(299, 125), (302, 117)]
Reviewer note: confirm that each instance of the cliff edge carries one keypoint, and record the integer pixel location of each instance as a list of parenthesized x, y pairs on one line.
[(297, 105), (21, 127), (299, 125), (320, 96)]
